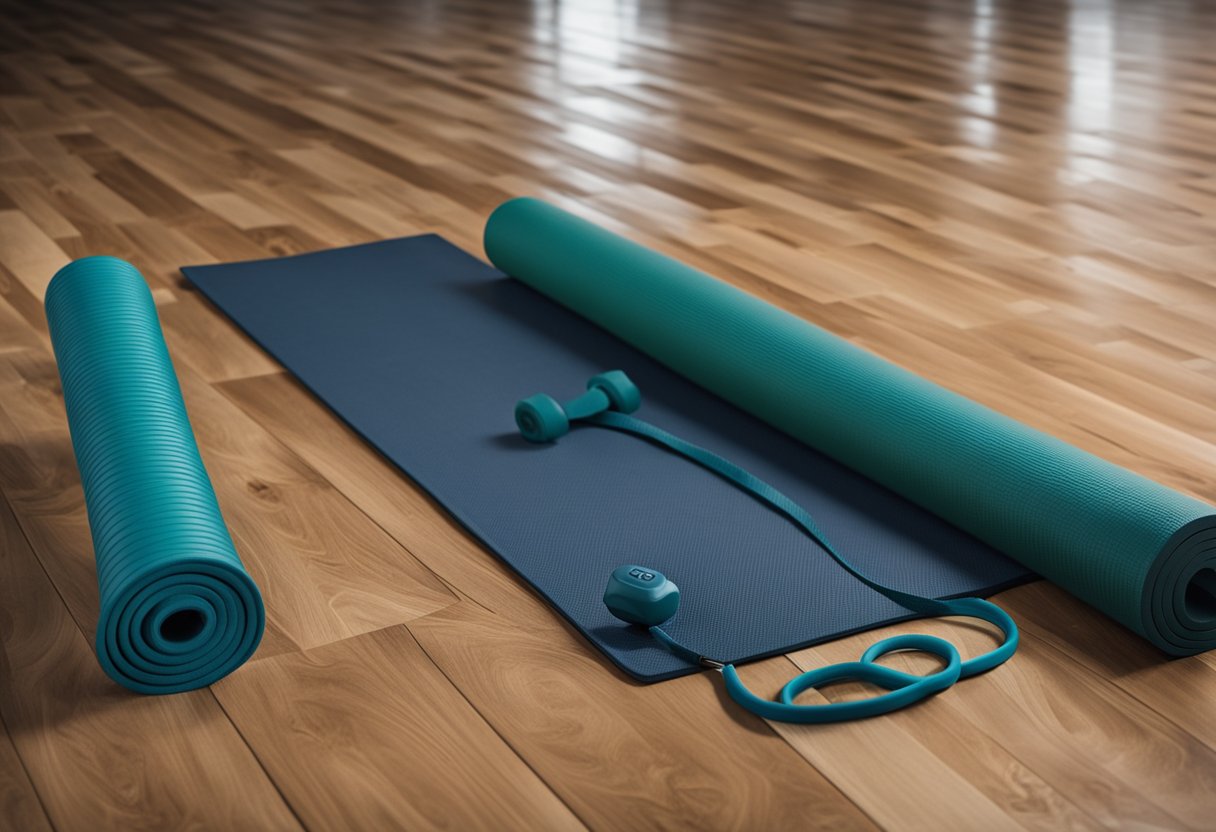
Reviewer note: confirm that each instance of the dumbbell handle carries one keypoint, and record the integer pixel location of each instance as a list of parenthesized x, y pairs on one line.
[(542, 418), (591, 402)]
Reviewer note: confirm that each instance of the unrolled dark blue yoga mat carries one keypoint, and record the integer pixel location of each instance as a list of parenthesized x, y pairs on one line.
[(424, 350)]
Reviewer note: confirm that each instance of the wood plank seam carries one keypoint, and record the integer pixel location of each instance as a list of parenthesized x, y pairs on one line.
[(26, 772), (505, 740)]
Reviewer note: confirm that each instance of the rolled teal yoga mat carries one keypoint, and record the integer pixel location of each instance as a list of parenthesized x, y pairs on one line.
[(178, 610), (1140, 552)]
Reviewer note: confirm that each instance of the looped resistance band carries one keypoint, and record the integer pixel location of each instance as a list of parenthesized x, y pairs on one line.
[(903, 688)]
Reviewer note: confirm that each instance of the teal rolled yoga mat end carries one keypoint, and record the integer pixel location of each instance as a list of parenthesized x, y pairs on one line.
[(178, 609), (1142, 553)]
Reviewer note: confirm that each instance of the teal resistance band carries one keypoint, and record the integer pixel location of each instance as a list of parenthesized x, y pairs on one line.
[(636, 594)]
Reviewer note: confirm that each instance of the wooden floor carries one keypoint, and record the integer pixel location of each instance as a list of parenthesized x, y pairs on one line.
[(1015, 199)]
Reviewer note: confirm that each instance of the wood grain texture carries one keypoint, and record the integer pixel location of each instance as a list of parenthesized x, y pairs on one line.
[(566, 712), (389, 742), (1014, 199), (19, 804)]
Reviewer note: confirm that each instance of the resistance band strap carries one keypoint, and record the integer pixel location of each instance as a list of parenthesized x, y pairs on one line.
[(904, 688)]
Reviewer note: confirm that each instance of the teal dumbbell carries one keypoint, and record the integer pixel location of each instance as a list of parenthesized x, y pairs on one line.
[(542, 418), (641, 595)]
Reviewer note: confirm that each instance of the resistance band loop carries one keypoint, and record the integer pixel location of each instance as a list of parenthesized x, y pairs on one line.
[(903, 688)]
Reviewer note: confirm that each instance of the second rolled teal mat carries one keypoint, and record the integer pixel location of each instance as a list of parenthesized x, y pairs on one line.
[(1140, 552)]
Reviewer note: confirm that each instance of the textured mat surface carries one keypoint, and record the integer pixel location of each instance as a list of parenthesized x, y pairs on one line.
[(424, 350), (178, 610)]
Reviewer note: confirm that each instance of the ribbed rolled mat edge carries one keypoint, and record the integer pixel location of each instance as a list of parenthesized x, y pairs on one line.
[(178, 610)]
